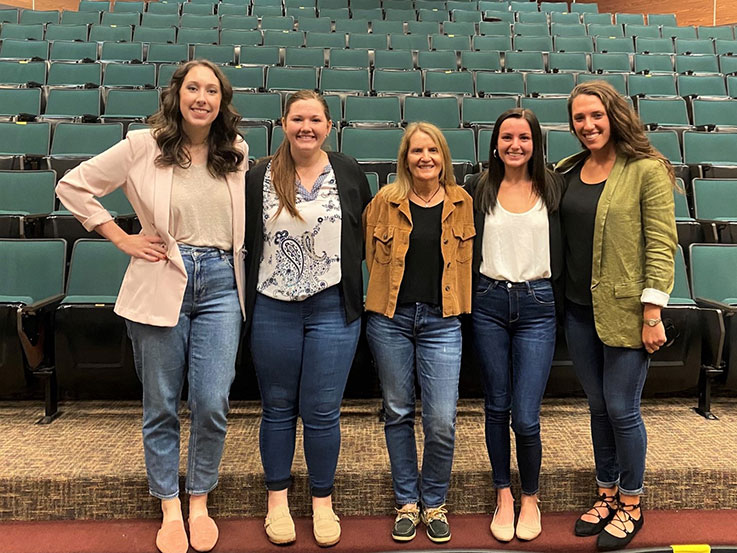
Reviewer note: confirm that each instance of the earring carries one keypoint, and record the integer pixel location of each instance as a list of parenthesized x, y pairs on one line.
[(496, 154)]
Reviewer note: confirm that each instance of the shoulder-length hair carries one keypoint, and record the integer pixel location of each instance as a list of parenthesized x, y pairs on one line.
[(627, 130), (543, 180), (283, 173), (223, 157), (400, 188)]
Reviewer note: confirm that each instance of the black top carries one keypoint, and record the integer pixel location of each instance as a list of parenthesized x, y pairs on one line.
[(578, 214), (420, 282), (354, 194)]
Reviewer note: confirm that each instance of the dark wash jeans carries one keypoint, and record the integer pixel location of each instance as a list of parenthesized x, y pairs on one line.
[(418, 338), (514, 337), (613, 379), (302, 353)]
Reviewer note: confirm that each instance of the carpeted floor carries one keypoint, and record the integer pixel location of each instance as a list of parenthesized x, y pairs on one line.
[(89, 464), (366, 535)]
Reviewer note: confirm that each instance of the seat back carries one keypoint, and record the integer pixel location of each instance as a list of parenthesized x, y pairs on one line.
[(27, 191), (713, 267), (85, 139), (96, 271), (715, 198), (32, 269)]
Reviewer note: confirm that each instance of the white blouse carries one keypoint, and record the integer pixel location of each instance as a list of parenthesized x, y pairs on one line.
[(301, 258), (516, 246)]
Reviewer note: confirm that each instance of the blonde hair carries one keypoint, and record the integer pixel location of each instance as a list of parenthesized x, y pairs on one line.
[(400, 188), (627, 130)]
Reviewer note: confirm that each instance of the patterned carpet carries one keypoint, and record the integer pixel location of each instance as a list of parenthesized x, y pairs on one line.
[(89, 464)]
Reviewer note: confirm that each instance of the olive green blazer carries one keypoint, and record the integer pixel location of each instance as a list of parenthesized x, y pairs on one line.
[(634, 246)]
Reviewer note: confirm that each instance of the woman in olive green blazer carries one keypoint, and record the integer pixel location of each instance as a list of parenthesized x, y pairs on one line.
[(620, 238)]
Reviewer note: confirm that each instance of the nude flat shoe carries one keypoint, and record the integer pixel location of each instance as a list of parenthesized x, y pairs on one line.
[(172, 538), (203, 533), (502, 532)]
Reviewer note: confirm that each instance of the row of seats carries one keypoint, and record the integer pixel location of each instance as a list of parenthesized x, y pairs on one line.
[(122, 31), (91, 356), (366, 143), (70, 103), (435, 80)]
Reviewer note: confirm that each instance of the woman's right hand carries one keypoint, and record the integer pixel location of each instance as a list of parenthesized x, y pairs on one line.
[(142, 246), (150, 248)]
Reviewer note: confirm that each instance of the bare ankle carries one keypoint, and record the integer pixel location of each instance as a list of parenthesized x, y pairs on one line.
[(277, 498), (171, 509)]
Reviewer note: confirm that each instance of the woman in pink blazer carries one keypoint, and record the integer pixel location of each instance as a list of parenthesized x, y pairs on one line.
[(182, 295)]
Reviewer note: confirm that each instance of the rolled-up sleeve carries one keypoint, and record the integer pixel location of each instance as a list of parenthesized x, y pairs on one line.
[(659, 231), (97, 177)]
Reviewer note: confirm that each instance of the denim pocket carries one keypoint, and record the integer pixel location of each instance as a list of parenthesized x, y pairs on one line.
[(483, 287), (543, 296), (228, 258)]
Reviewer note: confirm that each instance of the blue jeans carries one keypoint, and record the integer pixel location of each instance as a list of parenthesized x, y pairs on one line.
[(613, 379), (514, 337), (302, 352), (419, 339), (202, 346)]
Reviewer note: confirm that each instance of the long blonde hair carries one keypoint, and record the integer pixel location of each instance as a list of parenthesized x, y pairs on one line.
[(283, 173), (627, 130), (401, 187)]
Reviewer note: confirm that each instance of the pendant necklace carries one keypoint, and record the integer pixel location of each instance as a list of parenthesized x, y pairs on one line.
[(427, 201)]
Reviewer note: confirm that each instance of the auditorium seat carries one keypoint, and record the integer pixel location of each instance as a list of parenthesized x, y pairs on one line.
[(504, 84), (122, 51), (713, 267), (69, 104), (93, 355), (715, 206), (129, 75), (31, 286), (66, 32), (101, 33), (689, 229), (617, 80), (397, 81), (257, 137), (719, 113), (670, 111), (560, 144), (567, 61), (17, 101), (22, 72), (375, 149), (712, 155), (23, 193), (652, 85), (277, 137), (22, 31), (243, 77), (373, 110), (24, 145), (24, 49), (73, 143), (441, 111), (483, 112)]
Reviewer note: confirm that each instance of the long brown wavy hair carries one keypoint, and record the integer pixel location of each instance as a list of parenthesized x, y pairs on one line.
[(399, 189), (627, 129), (283, 173), (543, 180), (222, 157)]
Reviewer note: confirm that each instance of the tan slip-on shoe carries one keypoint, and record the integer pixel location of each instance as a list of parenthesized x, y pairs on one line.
[(502, 532), (280, 526), (325, 527), (528, 531), (203, 533), (172, 538)]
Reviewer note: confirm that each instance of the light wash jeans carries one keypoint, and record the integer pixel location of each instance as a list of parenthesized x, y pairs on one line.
[(418, 338), (302, 352), (202, 346), (514, 335)]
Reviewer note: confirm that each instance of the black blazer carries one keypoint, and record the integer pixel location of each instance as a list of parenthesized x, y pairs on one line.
[(354, 193), (554, 230)]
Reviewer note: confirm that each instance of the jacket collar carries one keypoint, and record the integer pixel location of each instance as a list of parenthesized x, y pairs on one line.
[(453, 196)]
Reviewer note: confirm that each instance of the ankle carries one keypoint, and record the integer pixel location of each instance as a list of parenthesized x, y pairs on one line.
[(197, 506), (277, 499), (171, 509), (322, 502)]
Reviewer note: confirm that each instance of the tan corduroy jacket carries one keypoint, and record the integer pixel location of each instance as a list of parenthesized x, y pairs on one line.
[(634, 246), (387, 226)]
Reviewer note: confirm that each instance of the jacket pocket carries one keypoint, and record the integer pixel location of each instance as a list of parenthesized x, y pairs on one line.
[(464, 237), (383, 240), (628, 289)]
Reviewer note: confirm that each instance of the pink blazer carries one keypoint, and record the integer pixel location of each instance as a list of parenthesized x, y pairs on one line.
[(151, 292)]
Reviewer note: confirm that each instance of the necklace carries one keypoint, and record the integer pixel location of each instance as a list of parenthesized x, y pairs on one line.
[(428, 200)]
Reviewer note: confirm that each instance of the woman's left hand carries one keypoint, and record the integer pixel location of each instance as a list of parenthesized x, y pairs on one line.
[(653, 337)]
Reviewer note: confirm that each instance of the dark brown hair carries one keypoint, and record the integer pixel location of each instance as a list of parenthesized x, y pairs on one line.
[(627, 130), (223, 157), (543, 180), (283, 173)]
